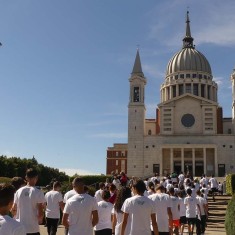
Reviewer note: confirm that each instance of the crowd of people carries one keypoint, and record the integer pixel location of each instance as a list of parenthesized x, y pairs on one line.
[(121, 206)]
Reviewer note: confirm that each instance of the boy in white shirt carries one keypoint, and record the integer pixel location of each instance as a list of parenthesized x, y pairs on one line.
[(175, 202), (54, 202), (8, 226), (140, 210), (105, 207), (29, 204), (214, 186), (191, 210), (162, 204), (98, 193), (80, 212), (201, 220)]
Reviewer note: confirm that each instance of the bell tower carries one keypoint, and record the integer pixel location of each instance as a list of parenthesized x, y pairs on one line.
[(136, 120), (233, 102)]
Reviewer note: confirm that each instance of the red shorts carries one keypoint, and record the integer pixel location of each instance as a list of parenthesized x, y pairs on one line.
[(176, 223)]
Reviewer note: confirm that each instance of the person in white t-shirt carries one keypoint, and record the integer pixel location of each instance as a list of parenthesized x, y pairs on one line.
[(8, 226), (54, 202), (191, 210), (203, 180), (204, 190), (151, 189), (29, 204), (98, 193), (181, 178), (67, 196), (80, 213), (183, 220), (140, 210), (201, 218), (116, 181), (104, 226), (214, 186), (162, 204), (175, 209), (117, 214)]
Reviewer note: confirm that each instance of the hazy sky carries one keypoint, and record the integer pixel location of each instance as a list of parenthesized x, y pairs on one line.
[(64, 69)]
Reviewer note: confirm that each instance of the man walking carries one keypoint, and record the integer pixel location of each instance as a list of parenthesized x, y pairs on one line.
[(28, 204)]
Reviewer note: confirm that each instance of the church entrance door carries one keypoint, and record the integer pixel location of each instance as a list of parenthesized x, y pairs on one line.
[(199, 168)]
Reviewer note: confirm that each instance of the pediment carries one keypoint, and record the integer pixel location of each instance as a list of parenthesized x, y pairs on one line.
[(172, 102)]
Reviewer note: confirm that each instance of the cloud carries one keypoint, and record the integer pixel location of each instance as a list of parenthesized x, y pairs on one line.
[(73, 171), (7, 153), (219, 80), (215, 24), (153, 71)]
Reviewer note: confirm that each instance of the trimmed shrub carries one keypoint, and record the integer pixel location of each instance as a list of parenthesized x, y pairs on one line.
[(5, 180), (230, 184), (92, 180), (229, 217)]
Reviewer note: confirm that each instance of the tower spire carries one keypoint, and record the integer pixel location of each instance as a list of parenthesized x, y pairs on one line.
[(137, 68), (188, 40)]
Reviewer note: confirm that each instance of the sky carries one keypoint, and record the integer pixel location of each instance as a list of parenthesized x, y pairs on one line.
[(65, 65)]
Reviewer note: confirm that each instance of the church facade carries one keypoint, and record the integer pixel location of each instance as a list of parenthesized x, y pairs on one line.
[(189, 132)]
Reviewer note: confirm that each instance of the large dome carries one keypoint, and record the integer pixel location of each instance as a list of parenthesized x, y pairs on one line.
[(188, 59)]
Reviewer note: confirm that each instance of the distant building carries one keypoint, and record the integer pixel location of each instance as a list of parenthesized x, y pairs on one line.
[(116, 159), (189, 132)]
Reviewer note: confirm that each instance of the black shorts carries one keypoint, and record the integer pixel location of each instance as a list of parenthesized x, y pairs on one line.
[(191, 220), (183, 220), (213, 190)]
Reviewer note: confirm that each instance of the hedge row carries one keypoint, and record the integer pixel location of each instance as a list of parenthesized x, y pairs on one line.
[(93, 180), (230, 184), (5, 180), (229, 217)]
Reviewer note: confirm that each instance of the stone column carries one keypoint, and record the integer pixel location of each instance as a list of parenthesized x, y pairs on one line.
[(182, 160), (177, 90), (193, 161), (172, 162), (171, 92), (204, 160), (206, 93), (161, 165), (216, 162), (199, 90)]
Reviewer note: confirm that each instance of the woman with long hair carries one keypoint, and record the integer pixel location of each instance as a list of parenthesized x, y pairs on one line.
[(117, 214)]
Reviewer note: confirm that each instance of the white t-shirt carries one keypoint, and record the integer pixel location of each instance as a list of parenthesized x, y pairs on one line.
[(27, 198), (104, 212), (203, 181), (175, 207), (69, 194), (214, 183), (117, 183), (79, 208), (139, 209), (181, 177), (201, 201), (118, 227), (9, 226), (98, 195), (161, 202), (191, 206), (53, 199), (182, 207), (205, 192)]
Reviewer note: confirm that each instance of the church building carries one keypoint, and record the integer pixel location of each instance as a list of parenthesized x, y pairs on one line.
[(189, 132)]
